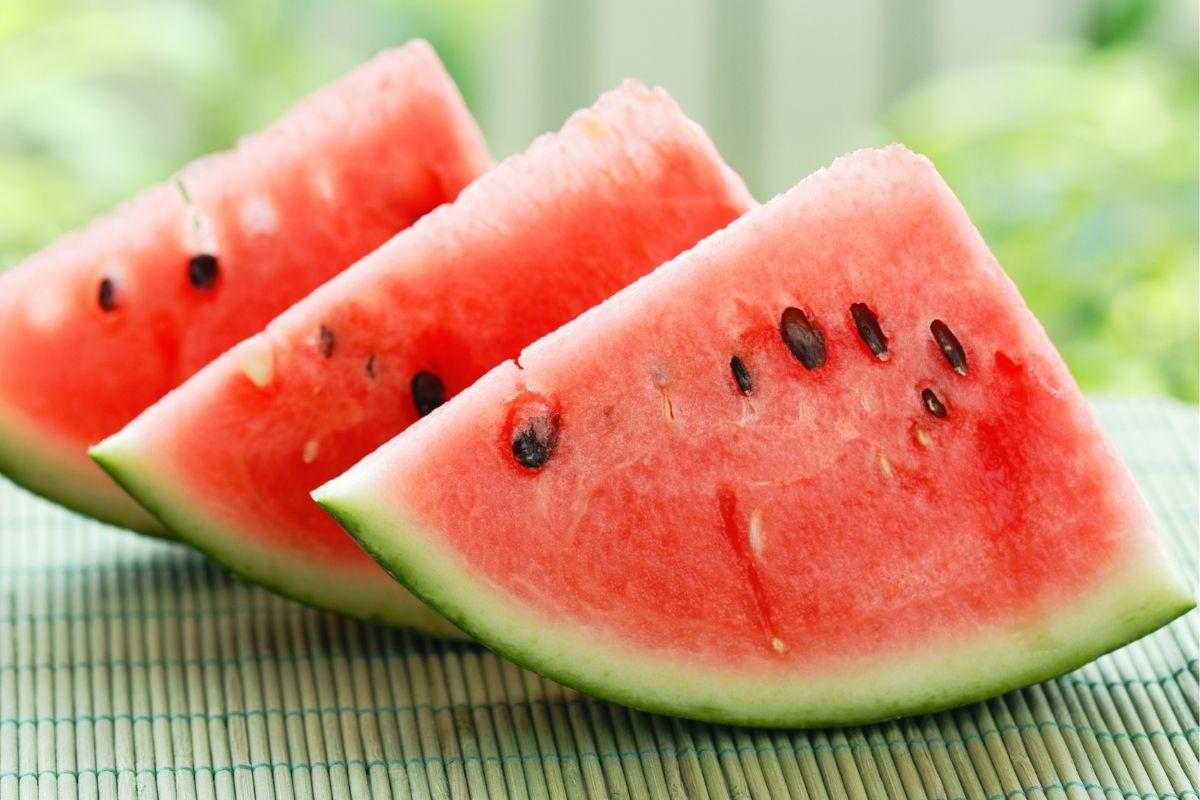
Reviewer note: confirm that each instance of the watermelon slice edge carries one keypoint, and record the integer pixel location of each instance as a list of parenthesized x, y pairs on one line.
[(272, 568), (228, 459), (1139, 598)]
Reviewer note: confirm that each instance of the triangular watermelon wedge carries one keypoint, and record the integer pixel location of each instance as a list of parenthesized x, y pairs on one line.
[(107, 320), (228, 460), (824, 468)]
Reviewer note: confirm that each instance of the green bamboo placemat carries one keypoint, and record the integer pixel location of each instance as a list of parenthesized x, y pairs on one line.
[(133, 668)]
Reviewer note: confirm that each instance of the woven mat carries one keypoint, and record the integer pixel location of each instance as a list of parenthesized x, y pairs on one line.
[(133, 668)]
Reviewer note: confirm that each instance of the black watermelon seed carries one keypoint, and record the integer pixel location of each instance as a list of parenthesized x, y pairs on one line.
[(107, 295), (427, 392), (950, 347), (802, 337), (742, 375), (932, 404), (869, 330), (371, 366), (326, 341), (202, 270), (533, 444)]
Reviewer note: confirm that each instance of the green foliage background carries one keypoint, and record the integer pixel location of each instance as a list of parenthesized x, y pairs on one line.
[(1079, 166), (1077, 162), (99, 98)]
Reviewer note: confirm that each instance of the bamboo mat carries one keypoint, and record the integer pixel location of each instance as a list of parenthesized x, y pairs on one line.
[(133, 668)]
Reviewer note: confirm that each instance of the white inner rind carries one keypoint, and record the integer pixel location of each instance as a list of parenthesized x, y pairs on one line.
[(1140, 593), (364, 593), (58, 469)]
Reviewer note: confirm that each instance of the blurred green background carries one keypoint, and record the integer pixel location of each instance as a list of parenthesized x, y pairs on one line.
[(1069, 129)]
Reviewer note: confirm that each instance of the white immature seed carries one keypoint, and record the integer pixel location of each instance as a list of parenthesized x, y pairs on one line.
[(757, 536), (258, 215), (324, 186), (257, 360), (777, 645), (593, 127), (311, 448)]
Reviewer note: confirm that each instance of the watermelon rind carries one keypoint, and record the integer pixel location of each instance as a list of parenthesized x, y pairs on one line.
[(1132, 601), (32, 460), (374, 598)]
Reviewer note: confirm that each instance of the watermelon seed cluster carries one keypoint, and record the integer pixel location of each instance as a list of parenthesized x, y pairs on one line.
[(428, 391), (806, 342), (955, 356)]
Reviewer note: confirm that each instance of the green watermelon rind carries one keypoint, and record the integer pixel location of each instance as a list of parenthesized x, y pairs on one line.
[(33, 462), (392, 606), (1136, 599)]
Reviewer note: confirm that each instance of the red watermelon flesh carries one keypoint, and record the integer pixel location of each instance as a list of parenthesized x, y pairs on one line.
[(823, 468), (101, 324), (228, 460)]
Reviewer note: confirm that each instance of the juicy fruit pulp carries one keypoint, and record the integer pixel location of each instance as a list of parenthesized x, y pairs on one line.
[(823, 468), (101, 324), (229, 459)]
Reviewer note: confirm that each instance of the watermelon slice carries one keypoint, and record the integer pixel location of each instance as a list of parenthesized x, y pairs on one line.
[(98, 326), (824, 468), (229, 459)]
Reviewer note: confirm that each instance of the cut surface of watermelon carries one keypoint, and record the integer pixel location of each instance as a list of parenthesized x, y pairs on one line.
[(824, 468), (229, 459), (101, 324)]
